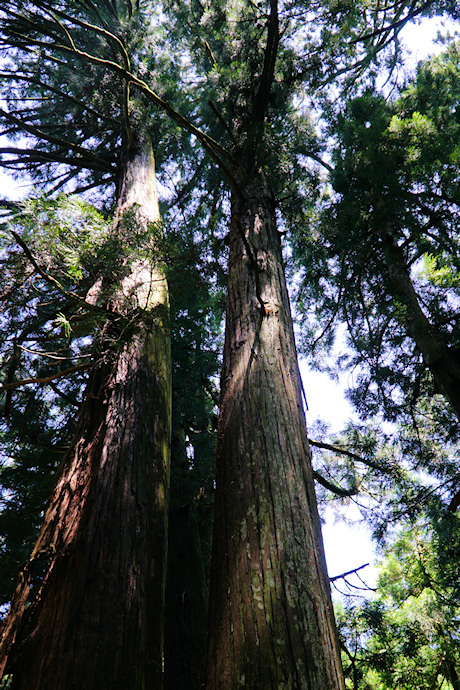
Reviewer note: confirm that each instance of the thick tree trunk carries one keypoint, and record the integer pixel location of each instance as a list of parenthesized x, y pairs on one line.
[(271, 621), (95, 580)]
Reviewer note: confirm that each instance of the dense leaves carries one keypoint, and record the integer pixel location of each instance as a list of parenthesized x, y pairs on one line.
[(391, 217)]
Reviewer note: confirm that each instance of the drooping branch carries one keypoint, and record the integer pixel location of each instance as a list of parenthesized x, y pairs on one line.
[(55, 283), (354, 456), (43, 157), (21, 77), (40, 134), (111, 38), (218, 153)]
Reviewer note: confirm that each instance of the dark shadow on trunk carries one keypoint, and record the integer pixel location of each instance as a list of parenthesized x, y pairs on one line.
[(271, 623), (88, 611)]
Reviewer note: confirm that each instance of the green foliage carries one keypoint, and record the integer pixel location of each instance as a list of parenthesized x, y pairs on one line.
[(407, 636), (395, 180), (69, 113)]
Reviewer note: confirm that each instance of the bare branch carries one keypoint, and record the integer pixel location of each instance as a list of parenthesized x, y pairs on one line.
[(343, 493), (45, 379), (349, 572)]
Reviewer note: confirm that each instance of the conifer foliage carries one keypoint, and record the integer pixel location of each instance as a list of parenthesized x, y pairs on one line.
[(216, 94)]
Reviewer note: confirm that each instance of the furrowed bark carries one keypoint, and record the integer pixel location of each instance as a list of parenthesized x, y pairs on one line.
[(271, 623), (94, 584)]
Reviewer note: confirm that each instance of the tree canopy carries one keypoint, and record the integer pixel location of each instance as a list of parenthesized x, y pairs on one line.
[(276, 146)]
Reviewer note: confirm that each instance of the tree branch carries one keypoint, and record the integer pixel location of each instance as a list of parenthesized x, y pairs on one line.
[(72, 99), (343, 451), (395, 25), (349, 572), (71, 295), (40, 134), (45, 379), (343, 493), (43, 157), (218, 153)]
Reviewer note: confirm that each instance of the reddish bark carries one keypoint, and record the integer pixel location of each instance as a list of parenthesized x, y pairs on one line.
[(271, 620), (95, 580)]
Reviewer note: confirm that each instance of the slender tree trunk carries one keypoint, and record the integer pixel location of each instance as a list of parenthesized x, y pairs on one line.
[(442, 361), (95, 580), (186, 585), (271, 621)]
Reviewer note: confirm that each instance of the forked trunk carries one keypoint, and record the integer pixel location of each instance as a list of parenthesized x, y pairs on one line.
[(95, 580), (271, 620)]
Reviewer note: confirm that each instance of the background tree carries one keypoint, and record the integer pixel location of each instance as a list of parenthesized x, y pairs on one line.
[(386, 248), (407, 635)]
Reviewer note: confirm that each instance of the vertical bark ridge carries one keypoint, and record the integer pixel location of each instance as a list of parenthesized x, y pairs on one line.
[(96, 597), (271, 620)]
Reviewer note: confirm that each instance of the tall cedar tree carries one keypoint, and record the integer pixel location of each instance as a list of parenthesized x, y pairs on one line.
[(88, 610), (271, 621)]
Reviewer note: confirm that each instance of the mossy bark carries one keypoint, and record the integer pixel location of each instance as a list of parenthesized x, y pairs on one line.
[(88, 611), (271, 622)]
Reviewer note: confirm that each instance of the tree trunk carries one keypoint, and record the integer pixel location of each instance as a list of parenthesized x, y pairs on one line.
[(441, 360), (271, 621), (95, 580), (186, 583), (185, 624)]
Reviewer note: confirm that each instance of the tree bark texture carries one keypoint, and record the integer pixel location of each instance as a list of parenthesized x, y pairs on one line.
[(271, 621), (94, 584)]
